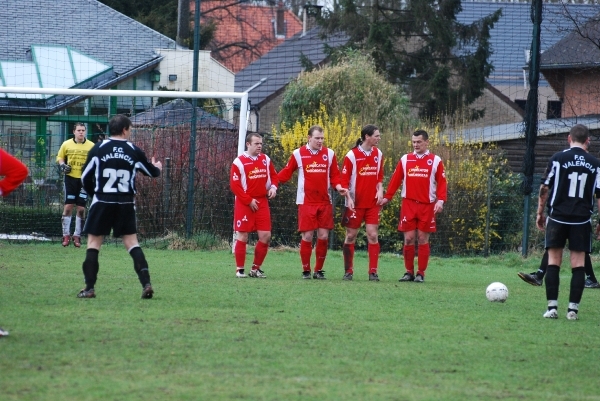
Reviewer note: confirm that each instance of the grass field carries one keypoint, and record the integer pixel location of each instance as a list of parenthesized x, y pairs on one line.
[(209, 336)]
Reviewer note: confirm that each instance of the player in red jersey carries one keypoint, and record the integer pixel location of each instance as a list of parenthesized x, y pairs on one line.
[(424, 192), (362, 174), (253, 180), (317, 172), (14, 173)]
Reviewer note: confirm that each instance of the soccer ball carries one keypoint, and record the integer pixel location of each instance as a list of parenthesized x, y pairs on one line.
[(496, 292)]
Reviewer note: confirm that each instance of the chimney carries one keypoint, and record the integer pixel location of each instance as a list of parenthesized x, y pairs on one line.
[(310, 15), (183, 23), (280, 22)]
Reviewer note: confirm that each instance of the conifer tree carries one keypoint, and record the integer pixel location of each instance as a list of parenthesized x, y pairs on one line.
[(420, 44)]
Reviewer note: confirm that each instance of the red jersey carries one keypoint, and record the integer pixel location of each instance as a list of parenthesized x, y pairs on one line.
[(422, 177), (14, 172), (361, 172), (252, 177), (317, 171)]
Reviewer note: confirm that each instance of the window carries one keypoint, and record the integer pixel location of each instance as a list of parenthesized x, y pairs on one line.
[(554, 109)]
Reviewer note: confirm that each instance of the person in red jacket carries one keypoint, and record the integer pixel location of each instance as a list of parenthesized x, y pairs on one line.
[(424, 191), (317, 172), (253, 180), (362, 174), (14, 173)]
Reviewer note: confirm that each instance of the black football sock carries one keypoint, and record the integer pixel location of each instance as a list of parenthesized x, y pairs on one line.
[(577, 284), (541, 272), (552, 282), (589, 270), (90, 268), (140, 265)]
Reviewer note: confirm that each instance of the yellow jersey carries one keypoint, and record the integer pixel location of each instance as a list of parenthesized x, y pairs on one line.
[(74, 154)]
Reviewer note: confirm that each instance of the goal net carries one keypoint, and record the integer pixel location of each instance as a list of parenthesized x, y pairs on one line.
[(190, 205)]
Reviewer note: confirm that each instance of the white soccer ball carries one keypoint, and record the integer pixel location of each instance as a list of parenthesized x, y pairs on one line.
[(496, 292)]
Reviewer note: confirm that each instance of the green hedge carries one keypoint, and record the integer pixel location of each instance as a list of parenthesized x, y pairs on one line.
[(26, 220)]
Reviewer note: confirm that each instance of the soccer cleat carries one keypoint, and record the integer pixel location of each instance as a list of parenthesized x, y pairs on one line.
[(66, 240), (3, 333), (77, 241), (240, 273), (306, 275), (257, 273), (407, 277), (348, 277), (319, 275), (373, 277), (86, 293), (590, 284), (530, 278), (551, 314), (419, 278), (572, 315), (147, 292)]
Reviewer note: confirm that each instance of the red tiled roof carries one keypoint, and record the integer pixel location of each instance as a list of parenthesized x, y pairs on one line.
[(245, 32)]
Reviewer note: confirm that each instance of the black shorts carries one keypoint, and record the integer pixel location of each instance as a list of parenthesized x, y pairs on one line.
[(579, 235), (74, 192), (104, 217)]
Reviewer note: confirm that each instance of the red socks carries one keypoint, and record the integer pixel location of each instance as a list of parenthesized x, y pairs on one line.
[(305, 253), (321, 253), (373, 250), (409, 258), (423, 258), (348, 251), (260, 252), (240, 254)]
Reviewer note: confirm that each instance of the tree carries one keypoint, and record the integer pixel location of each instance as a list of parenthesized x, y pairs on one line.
[(352, 86), (420, 44)]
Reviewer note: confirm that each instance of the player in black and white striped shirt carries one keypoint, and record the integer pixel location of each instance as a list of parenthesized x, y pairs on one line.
[(571, 180), (109, 177)]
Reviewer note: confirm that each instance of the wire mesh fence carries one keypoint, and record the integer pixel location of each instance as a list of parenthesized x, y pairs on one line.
[(483, 146)]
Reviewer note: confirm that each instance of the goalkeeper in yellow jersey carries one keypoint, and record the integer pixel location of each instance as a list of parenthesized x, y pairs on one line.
[(71, 157)]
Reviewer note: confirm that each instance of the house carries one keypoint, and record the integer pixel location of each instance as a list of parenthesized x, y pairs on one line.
[(511, 43), (81, 44), (246, 31), (278, 67), (508, 85), (572, 67), (552, 138)]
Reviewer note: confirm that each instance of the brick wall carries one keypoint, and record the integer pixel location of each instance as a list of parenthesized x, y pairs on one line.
[(581, 93)]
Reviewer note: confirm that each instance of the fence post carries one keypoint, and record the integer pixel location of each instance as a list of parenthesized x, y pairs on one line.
[(166, 191), (486, 247)]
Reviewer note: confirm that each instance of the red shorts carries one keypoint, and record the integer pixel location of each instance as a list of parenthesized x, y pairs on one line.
[(354, 219), (311, 217), (416, 215), (247, 221)]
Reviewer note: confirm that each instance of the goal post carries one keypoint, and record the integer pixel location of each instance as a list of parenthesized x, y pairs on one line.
[(163, 130)]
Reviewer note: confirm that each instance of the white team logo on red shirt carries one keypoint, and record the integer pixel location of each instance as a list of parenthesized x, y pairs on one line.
[(235, 177), (429, 162), (238, 223), (344, 170), (265, 162), (376, 159), (244, 218), (325, 157)]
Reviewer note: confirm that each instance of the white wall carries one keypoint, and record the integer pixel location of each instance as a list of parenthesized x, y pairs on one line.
[(212, 76)]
